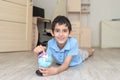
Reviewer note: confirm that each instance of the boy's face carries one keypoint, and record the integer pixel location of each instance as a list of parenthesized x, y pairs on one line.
[(61, 33)]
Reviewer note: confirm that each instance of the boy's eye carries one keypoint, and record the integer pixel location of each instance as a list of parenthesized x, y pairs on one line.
[(65, 30), (57, 30)]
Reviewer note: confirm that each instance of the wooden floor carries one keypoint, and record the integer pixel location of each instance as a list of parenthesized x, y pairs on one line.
[(103, 65)]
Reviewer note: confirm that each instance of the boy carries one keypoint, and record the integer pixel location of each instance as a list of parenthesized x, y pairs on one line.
[(63, 48)]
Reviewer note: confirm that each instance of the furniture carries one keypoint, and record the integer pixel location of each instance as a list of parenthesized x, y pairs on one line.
[(110, 34), (75, 11), (34, 33), (85, 38), (40, 35), (86, 32), (85, 7), (38, 12), (15, 25)]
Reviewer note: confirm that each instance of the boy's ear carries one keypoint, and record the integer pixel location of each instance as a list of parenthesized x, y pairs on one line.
[(51, 33)]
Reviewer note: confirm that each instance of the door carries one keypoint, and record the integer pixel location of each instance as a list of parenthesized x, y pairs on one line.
[(15, 25)]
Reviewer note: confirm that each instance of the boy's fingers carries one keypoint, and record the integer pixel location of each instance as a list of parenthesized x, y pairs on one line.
[(43, 70), (39, 49), (44, 48)]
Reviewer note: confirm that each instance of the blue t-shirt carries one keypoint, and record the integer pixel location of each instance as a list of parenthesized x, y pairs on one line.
[(70, 49)]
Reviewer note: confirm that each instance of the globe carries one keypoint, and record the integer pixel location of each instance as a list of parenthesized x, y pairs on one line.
[(44, 60)]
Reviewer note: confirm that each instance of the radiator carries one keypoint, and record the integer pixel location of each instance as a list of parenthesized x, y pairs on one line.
[(110, 34)]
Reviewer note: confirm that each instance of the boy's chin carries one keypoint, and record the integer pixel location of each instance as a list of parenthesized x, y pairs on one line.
[(61, 42)]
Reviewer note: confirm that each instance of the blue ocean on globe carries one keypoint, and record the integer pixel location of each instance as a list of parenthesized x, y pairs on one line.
[(44, 60)]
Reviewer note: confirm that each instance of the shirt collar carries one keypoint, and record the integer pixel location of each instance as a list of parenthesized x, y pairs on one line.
[(66, 47)]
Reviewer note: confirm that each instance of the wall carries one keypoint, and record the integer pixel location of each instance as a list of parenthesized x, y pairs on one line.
[(100, 10), (48, 5), (52, 7)]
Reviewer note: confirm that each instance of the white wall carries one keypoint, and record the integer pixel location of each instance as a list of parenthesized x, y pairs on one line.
[(99, 10), (102, 10), (52, 7), (48, 5)]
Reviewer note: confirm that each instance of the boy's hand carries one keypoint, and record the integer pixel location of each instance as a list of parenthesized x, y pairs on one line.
[(48, 71), (39, 49)]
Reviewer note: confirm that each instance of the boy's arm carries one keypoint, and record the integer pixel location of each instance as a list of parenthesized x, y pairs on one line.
[(65, 65), (56, 70)]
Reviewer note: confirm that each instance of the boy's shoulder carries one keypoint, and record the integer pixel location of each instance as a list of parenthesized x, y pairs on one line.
[(51, 41), (72, 39), (72, 43)]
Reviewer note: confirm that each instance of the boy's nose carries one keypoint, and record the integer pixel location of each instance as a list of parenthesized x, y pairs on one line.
[(61, 33)]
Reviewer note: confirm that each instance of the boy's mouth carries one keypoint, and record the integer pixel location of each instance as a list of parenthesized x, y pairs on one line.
[(61, 39)]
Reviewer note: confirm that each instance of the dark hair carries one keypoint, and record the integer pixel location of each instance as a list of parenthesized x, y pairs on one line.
[(61, 20)]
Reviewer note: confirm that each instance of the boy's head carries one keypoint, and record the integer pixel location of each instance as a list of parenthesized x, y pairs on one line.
[(61, 20)]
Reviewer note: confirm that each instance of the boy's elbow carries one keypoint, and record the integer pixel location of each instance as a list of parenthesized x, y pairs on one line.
[(66, 65)]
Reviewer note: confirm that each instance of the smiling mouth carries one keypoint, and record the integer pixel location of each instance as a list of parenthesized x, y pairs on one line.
[(61, 38)]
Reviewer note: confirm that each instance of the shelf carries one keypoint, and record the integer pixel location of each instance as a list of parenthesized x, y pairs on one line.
[(73, 11), (85, 4), (76, 11), (43, 19), (85, 12), (85, 8), (73, 6)]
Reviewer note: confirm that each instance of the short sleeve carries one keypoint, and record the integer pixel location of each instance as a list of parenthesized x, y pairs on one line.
[(73, 49)]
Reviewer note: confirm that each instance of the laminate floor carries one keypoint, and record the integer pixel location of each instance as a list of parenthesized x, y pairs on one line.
[(103, 65)]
